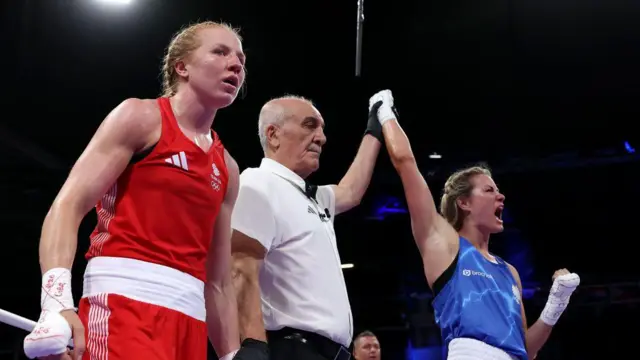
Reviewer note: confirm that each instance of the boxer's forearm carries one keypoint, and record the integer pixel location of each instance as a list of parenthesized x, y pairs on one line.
[(220, 296), (222, 317), (59, 238), (398, 144), (358, 177), (536, 337)]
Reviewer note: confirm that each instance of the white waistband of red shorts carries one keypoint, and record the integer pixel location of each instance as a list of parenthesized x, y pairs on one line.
[(145, 282), (472, 349)]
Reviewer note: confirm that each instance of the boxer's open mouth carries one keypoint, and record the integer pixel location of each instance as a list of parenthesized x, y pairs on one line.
[(498, 213), (231, 80)]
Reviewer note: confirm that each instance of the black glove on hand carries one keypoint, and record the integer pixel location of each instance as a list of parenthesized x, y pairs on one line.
[(373, 124), (252, 349)]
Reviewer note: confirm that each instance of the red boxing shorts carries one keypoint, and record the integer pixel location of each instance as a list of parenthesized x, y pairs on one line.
[(164, 322), (118, 328)]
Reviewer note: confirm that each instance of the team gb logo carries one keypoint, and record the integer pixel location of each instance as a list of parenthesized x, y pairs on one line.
[(215, 180)]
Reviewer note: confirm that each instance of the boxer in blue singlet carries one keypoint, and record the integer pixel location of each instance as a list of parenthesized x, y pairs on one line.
[(478, 296)]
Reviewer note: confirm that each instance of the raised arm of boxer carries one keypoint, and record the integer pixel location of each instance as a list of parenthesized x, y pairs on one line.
[(435, 238), (128, 128), (351, 188), (220, 297), (254, 228)]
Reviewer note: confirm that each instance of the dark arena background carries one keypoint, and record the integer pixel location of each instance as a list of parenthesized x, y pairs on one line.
[(545, 92)]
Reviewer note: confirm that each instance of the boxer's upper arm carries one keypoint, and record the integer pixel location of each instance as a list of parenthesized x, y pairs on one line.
[(219, 262), (426, 223), (435, 237), (124, 131), (516, 276)]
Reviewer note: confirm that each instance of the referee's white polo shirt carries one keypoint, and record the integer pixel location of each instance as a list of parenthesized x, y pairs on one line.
[(301, 281)]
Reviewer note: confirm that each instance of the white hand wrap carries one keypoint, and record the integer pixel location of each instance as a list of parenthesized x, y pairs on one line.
[(385, 111), (50, 336), (52, 332), (230, 355), (563, 287)]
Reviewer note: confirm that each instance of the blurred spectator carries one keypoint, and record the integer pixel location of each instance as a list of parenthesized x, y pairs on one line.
[(366, 346)]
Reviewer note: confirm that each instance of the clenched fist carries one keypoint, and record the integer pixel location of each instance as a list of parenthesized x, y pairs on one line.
[(564, 284)]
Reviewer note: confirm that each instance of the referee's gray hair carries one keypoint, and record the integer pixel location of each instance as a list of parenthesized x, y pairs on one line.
[(274, 113)]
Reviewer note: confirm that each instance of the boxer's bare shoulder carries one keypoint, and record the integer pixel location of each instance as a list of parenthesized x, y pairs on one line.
[(132, 126), (139, 120)]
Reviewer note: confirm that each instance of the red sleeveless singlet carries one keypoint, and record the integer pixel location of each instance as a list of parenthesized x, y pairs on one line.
[(163, 208)]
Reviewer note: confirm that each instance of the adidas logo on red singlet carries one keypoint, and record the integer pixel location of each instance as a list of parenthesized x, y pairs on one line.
[(179, 160)]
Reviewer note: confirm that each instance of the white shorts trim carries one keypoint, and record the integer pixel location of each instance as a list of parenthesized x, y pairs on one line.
[(472, 349), (145, 282)]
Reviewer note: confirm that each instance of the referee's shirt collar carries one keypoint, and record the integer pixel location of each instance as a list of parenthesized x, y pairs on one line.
[(283, 171)]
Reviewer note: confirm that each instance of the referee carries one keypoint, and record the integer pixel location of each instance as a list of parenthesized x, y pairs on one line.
[(286, 268)]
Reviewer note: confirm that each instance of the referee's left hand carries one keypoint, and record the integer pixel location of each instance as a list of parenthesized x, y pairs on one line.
[(252, 349)]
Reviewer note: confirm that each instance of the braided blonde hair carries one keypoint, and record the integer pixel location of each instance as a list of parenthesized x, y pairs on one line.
[(458, 185), (182, 44)]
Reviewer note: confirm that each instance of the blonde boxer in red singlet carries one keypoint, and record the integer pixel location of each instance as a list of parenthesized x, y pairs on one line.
[(158, 275)]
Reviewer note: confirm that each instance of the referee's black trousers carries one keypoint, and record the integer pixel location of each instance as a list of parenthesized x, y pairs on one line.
[(292, 344), (290, 349)]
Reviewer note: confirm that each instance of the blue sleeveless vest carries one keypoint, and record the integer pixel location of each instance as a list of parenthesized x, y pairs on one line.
[(481, 301)]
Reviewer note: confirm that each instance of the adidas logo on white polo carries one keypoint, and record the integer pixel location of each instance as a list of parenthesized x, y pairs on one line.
[(179, 160)]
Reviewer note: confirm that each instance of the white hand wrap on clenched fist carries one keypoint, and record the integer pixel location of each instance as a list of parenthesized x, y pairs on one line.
[(385, 111), (563, 287), (52, 332)]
